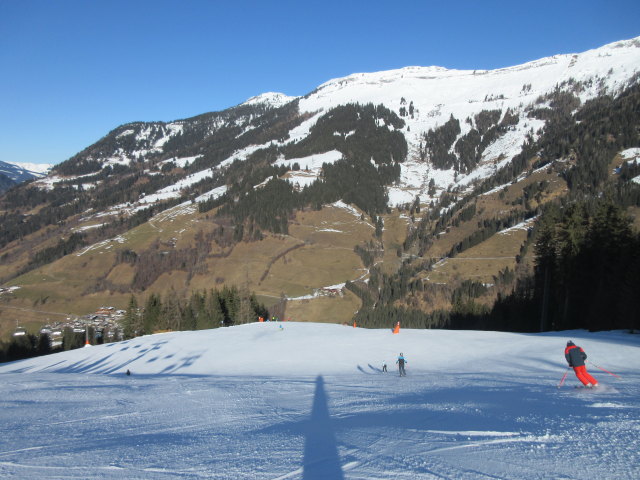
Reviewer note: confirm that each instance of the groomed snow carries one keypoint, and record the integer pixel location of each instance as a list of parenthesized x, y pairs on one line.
[(309, 401)]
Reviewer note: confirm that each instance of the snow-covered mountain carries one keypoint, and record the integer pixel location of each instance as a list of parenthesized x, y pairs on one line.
[(310, 401), (17, 173), (424, 97)]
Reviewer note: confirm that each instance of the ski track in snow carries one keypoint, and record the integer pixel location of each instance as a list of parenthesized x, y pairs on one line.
[(310, 401)]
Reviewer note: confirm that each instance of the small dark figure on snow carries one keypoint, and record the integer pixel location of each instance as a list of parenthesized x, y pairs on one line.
[(128, 372), (384, 366), (401, 361), (575, 358)]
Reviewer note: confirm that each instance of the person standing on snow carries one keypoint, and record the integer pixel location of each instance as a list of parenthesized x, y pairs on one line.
[(575, 357), (401, 361), (384, 366)]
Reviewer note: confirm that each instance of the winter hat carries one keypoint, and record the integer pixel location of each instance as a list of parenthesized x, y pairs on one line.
[(570, 343)]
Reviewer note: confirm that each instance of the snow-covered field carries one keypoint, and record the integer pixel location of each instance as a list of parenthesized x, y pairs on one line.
[(309, 401)]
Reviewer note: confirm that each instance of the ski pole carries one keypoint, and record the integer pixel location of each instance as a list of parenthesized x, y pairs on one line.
[(618, 376), (563, 377)]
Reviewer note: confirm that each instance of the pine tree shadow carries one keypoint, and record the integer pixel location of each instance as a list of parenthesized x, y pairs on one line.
[(321, 460)]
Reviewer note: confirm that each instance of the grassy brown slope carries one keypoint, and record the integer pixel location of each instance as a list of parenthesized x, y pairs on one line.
[(317, 253), (485, 260)]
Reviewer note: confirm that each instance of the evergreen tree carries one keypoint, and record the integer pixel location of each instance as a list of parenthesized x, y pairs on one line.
[(172, 312), (130, 320), (214, 312), (44, 344)]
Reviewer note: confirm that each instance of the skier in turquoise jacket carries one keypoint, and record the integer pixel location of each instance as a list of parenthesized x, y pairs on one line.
[(401, 361)]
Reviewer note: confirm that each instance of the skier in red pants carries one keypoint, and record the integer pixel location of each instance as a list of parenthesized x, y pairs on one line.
[(575, 357)]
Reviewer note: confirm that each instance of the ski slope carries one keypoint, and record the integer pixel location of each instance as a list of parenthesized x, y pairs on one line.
[(309, 401)]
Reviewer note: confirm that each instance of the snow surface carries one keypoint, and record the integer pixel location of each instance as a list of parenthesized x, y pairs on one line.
[(630, 154), (310, 167), (309, 401)]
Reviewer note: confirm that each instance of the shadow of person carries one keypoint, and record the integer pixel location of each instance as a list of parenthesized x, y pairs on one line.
[(321, 460)]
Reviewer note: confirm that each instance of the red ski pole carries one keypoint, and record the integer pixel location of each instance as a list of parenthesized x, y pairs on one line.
[(563, 377), (618, 376)]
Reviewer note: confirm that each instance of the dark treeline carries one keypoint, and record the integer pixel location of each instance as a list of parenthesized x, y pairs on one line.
[(357, 131), (30, 345), (587, 271), (25, 346), (438, 142), (62, 248), (16, 224), (6, 183), (201, 310), (268, 208)]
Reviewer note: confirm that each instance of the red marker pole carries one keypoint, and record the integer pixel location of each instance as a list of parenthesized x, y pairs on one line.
[(618, 376), (563, 377)]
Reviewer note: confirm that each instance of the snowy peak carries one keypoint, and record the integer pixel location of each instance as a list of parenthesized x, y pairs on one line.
[(272, 99), (37, 169), (20, 172), (611, 64)]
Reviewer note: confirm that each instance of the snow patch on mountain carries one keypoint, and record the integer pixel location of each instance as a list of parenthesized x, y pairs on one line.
[(631, 154), (310, 168)]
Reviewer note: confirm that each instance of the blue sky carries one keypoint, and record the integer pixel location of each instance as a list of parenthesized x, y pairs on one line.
[(71, 71)]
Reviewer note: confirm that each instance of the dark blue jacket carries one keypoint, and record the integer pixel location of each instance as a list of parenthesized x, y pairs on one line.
[(575, 355)]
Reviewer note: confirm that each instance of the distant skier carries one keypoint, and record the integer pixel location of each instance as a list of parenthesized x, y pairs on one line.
[(384, 366), (575, 358), (401, 361)]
